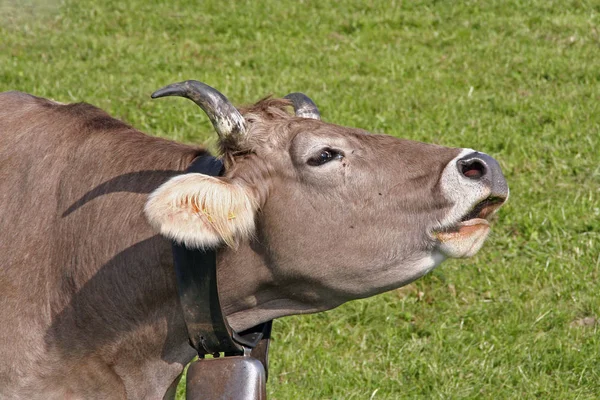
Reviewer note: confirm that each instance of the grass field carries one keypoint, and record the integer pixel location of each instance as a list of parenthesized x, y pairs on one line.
[(517, 79)]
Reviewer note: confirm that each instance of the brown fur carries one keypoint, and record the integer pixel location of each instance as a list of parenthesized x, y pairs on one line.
[(86, 283), (88, 306), (267, 109)]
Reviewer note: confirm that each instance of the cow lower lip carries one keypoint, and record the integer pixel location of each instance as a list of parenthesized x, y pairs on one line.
[(464, 228), (463, 239), (473, 222)]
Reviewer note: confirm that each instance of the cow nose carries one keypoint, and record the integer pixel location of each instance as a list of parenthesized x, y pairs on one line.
[(485, 169)]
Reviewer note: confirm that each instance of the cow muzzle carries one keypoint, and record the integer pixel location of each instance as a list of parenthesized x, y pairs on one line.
[(474, 183)]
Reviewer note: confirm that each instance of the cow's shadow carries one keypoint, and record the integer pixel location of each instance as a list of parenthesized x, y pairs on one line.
[(130, 301), (145, 182)]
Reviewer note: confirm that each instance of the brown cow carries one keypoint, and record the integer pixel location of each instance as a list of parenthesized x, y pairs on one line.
[(309, 215)]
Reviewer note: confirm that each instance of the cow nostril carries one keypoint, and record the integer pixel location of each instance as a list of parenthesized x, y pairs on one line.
[(482, 171), (472, 169)]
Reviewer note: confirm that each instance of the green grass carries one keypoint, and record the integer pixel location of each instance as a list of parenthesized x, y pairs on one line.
[(517, 79)]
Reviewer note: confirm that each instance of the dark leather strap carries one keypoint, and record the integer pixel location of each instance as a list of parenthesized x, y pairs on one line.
[(197, 286)]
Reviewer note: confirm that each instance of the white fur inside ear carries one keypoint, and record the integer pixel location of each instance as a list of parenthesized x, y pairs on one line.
[(202, 211)]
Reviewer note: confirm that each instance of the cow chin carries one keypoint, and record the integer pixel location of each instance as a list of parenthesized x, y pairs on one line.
[(464, 240)]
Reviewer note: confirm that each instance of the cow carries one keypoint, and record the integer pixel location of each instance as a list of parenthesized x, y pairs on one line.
[(308, 215)]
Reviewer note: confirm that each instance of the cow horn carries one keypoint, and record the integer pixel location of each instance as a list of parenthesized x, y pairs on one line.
[(226, 119), (304, 106)]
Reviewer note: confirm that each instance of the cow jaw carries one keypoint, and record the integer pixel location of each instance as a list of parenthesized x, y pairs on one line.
[(257, 298)]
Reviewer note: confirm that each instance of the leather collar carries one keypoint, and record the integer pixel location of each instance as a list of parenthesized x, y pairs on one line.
[(196, 271)]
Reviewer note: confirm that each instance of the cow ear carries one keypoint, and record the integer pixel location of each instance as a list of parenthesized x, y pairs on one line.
[(202, 211)]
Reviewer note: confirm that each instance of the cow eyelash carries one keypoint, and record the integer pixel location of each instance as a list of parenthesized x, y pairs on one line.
[(324, 157)]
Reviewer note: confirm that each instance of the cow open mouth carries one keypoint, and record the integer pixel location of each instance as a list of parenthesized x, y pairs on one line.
[(466, 237), (483, 210)]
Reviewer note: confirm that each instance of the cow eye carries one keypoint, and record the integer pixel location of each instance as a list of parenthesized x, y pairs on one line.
[(324, 157)]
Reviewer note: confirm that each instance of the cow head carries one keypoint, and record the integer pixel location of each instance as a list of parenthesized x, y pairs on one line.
[(338, 213)]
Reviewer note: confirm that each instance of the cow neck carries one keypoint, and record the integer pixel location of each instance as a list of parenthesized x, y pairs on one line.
[(197, 286)]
